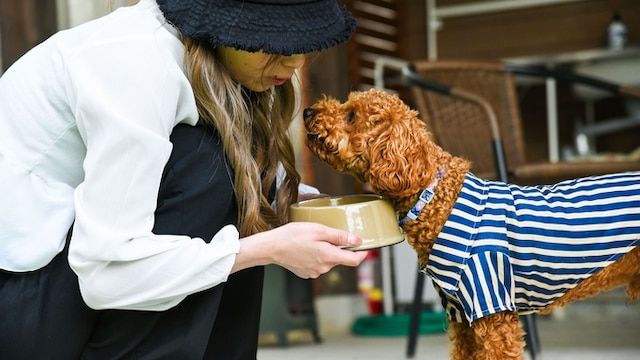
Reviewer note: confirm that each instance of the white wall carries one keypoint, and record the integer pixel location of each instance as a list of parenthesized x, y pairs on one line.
[(75, 12)]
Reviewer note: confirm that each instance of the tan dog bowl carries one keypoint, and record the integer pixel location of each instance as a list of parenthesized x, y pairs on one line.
[(370, 217)]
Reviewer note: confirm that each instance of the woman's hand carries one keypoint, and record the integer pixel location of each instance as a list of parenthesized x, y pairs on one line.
[(306, 249)]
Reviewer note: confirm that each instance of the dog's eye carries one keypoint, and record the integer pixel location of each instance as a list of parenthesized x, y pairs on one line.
[(351, 117)]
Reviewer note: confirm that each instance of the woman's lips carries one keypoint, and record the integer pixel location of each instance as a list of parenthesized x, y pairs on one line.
[(279, 81)]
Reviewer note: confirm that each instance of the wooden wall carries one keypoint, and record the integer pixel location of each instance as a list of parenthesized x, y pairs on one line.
[(540, 30), (24, 24), (533, 31)]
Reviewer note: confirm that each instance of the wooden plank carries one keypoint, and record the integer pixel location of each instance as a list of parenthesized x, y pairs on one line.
[(24, 24)]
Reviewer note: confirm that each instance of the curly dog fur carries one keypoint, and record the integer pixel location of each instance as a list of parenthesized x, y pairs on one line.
[(379, 140)]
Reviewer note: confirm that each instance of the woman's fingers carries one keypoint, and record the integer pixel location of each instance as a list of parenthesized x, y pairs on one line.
[(315, 249), (324, 233)]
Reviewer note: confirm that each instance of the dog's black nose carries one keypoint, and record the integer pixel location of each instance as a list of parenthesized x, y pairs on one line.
[(307, 113)]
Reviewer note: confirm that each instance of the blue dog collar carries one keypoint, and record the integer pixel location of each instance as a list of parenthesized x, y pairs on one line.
[(425, 198)]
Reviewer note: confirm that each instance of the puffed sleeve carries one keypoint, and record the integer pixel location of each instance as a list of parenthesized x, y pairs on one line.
[(127, 95)]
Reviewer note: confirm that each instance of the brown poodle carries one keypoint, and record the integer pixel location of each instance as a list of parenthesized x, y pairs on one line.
[(492, 250)]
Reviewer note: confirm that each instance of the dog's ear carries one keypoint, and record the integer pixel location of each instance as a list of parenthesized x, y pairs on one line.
[(399, 155)]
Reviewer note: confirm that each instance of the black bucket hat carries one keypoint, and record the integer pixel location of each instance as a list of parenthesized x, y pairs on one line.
[(281, 27)]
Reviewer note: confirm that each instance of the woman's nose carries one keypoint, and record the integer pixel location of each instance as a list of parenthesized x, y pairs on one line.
[(295, 61)]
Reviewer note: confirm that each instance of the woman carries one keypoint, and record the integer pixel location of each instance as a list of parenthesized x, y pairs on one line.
[(85, 125)]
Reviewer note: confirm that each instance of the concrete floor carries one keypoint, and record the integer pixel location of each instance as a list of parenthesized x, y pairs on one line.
[(602, 328)]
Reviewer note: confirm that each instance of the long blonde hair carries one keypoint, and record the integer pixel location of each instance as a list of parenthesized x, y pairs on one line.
[(254, 128)]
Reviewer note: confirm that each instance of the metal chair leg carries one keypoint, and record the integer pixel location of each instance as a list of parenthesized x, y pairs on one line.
[(531, 336), (415, 316)]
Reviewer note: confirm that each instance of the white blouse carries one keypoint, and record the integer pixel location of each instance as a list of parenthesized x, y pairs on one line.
[(85, 119)]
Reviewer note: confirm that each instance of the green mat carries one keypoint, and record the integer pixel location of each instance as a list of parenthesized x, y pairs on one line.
[(398, 324)]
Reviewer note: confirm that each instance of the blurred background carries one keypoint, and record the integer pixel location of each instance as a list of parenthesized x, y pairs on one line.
[(598, 38)]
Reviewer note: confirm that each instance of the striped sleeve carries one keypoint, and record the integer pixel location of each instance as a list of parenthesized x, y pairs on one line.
[(487, 285)]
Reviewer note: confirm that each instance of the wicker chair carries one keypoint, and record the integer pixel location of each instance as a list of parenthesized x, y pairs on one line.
[(461, 127)]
